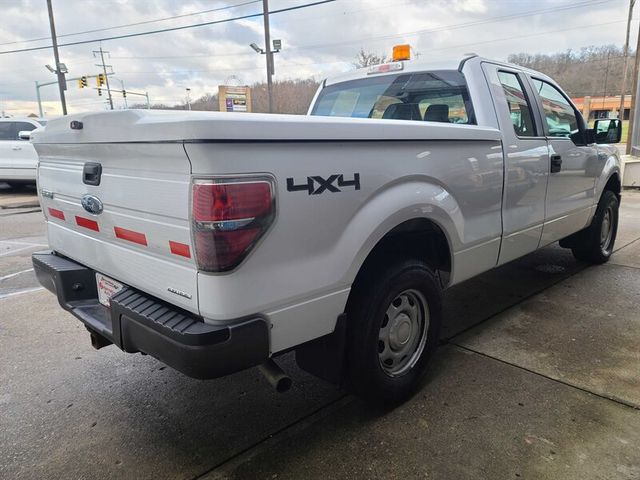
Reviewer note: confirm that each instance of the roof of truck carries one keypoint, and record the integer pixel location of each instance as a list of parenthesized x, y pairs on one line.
[(422, 66)]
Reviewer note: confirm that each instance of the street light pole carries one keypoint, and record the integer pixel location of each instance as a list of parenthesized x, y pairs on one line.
[(39, 99), (269, 53), (62, 84)]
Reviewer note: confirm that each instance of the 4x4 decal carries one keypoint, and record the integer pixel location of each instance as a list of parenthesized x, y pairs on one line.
[(324, 184)]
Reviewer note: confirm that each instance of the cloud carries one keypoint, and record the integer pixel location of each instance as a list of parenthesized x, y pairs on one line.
[(318, 41)]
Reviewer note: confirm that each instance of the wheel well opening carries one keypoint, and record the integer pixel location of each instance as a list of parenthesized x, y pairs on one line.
[(614, 185), (417, 238)]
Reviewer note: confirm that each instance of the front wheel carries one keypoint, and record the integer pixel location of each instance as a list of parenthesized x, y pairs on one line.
[(394, 321), (595, 245)]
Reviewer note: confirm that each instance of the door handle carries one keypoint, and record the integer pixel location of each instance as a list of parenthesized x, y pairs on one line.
[(91, 173), (16, 148), (556, 163)]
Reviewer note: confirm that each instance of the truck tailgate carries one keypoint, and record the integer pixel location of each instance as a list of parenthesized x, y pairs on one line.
[(141, 237)]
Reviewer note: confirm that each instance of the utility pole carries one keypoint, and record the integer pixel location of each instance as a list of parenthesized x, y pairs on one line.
[(625, 69), (634, 93), (62, 84), (104, 69), (606, 79), (269, 53)]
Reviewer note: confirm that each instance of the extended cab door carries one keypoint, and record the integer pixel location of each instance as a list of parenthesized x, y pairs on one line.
[(570, 194), (526, 161)]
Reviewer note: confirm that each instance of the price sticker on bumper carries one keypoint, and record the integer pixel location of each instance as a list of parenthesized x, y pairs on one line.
[(107, 288)]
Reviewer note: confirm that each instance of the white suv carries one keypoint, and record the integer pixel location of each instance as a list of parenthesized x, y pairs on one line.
[(18, 158)]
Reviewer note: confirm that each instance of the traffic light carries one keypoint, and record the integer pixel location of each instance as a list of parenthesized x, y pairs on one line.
[(82, 82), (99, 91), (100, 79), (124, 94)]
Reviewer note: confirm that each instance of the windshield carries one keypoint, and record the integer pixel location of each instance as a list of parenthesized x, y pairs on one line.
[(438, 96)]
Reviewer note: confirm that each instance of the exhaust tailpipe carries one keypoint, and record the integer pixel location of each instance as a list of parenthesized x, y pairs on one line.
[(276, 376)]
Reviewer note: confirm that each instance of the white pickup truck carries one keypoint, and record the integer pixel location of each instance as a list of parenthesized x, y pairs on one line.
[(217, 241)]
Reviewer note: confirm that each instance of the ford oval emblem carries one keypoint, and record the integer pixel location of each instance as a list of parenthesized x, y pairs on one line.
[(92, 204)]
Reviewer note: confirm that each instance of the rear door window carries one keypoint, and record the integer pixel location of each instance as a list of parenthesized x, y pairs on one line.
[(6, 131), (518, 104)]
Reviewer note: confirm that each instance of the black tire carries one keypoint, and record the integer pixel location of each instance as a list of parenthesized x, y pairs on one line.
[(595, 243), (367, 309), (19, 185)]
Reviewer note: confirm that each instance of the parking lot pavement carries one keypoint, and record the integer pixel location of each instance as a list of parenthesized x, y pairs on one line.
[(478, 418), (12, 198), (539, 380), (584, 332)]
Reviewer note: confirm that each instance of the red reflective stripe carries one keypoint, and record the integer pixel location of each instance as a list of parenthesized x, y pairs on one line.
[(56, 213), (87, 223), (131, 236), (180, 249)]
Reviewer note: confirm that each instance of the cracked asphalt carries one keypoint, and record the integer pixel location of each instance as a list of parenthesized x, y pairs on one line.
[(538, 377)]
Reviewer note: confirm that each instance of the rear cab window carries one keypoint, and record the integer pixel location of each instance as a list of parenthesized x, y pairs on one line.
[(436, 96)]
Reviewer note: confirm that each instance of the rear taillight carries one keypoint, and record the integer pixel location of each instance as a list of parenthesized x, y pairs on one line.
[(228, 218)]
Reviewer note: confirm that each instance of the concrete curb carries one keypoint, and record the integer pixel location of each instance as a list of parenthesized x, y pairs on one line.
[(20, 204)]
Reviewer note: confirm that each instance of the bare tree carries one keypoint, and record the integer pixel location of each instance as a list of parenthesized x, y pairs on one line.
[(365, 59), (593, 70)]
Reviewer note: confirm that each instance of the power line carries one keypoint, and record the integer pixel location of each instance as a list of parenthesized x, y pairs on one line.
[(145, 22), (171, 29), (413, 33), (458, 25)]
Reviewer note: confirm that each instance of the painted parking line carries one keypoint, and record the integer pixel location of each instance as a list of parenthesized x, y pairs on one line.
[(11, 275), (16, 250), (20, 292)]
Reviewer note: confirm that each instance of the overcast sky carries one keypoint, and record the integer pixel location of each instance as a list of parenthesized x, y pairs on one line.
[(318, 41)]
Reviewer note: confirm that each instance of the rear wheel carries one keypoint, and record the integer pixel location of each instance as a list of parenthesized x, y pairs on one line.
[(595, 244), (394, 321)]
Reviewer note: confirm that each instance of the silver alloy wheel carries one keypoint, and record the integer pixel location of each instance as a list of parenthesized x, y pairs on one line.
[(606, 230), (403, 333)]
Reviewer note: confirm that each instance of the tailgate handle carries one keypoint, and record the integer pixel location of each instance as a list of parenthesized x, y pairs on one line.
[(91, 173)]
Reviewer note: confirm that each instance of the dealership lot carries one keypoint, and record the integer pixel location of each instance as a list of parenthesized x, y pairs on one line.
[(538, 377)]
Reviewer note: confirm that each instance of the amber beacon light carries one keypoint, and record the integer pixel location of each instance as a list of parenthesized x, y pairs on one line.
[(401, 52)]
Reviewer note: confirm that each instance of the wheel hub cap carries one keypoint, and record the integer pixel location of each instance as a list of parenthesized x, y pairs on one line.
[(606, 230), (403, 333), (400, 332)]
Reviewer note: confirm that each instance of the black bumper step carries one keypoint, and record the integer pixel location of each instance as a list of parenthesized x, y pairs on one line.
[(137, 322)]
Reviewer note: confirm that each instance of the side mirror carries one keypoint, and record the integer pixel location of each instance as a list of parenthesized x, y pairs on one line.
[(24, 135), (608, 130)]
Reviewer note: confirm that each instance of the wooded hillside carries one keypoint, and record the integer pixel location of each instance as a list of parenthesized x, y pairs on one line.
[(595, 71)]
